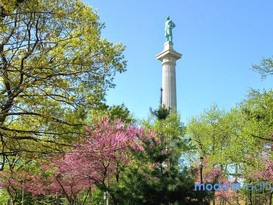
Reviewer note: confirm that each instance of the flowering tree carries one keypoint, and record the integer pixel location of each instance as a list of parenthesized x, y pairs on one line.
[(215, 176), (263, 173), (95, 158)]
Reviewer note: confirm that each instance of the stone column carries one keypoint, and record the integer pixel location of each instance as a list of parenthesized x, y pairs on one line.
[(168, 57)]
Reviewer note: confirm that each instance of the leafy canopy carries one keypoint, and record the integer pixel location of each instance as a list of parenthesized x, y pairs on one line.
[(54, 66)]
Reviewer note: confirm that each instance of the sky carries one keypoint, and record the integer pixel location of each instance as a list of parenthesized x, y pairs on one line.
[(220, 40)]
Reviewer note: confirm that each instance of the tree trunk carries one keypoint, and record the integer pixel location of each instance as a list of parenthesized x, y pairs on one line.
[(270, 198), (57, 202)]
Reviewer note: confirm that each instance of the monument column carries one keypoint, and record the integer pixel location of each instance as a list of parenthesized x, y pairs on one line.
[(168, 57)]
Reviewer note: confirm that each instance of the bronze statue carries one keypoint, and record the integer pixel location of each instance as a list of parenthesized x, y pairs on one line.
[(169, 25)]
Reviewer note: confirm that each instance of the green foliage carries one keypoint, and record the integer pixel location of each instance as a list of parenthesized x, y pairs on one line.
[(3, 197), (155, 176), (237, 138), (265, 67), (54, 68), (207, 131), (161, 113), (155, 188), (113, 112)]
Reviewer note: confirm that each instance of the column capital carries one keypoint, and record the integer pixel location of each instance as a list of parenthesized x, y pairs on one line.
[(168, 54)]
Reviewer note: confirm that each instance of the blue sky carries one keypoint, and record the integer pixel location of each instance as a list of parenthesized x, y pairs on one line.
[(219, 40)]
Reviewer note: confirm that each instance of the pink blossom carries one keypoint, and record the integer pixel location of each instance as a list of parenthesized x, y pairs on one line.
[(94, 158)]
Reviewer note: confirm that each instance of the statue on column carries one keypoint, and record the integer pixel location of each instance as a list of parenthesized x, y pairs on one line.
[(169, 25)]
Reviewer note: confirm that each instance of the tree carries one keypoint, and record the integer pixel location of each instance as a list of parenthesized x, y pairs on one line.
[(264, 173), (54, 68), (211, 134), (234, 140), (98, 157), (7, 7), (157, 176), (258, 111), (115, 112), (265, 68)]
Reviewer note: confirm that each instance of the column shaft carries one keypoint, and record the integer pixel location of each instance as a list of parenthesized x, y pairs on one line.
[(169, 85), (168, 57)]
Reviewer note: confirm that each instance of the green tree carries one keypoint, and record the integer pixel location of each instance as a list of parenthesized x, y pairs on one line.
[(237, 140), (157, 175), (114, 112), (54, 68), (211, 134), (265, 67)]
